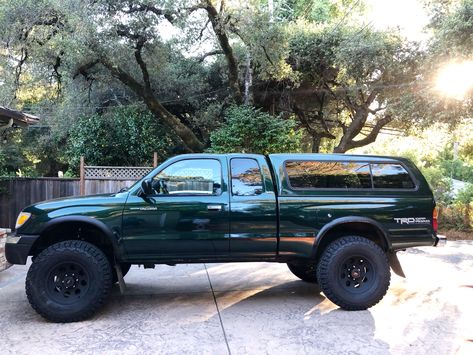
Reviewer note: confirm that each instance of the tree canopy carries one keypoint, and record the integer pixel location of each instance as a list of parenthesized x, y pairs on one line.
[(182, 69)]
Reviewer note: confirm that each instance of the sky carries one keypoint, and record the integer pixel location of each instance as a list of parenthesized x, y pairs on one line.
[(408, 15)]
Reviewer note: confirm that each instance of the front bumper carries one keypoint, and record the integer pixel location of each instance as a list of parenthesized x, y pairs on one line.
[(18, 247), (441, 241)]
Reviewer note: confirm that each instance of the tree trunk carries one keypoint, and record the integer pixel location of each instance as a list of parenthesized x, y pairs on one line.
[(355, 127), (222, 37), (347, 142), (248, 81), (316, 140)]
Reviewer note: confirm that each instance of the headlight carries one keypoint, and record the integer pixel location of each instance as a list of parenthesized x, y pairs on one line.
[(22, 218)]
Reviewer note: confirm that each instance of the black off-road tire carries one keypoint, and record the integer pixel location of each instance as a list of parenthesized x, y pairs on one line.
[(125, 268), (305, 271), (69, 281), (353, 273)]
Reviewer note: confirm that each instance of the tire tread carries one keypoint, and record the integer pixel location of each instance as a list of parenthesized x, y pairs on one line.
[(88, 251), (323, 271)]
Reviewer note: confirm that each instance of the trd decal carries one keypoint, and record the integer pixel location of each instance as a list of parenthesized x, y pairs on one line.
[(144, 208), (412, 220)]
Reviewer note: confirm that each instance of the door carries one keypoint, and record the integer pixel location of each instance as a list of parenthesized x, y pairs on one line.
[(253, 217), (187, 216)]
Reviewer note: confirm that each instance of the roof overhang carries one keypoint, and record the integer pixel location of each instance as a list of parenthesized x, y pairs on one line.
[(13, 118)]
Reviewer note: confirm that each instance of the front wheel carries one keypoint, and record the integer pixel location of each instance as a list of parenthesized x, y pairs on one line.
[(353, 273), (69, 281)]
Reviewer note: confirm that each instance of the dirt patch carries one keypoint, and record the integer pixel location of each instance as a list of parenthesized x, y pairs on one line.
[(453, 234)]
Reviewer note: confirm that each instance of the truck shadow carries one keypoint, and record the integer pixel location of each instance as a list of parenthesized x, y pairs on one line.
[(296, 317), (292, 315)]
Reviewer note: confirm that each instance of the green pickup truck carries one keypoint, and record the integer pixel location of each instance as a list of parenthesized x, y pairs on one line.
[(336, 220)]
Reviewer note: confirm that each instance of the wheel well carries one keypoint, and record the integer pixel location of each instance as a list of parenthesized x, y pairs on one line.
[(73, 231), (361, 229)]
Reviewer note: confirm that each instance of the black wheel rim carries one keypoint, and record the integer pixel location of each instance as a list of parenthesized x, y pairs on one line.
[(356, 274), (67, 282)]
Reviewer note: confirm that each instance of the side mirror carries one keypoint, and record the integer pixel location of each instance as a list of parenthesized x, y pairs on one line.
[(146, 187)]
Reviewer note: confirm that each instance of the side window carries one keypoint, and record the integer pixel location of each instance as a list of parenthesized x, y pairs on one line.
[(189, 177), (318, 174), (391, 176), (246, 177)]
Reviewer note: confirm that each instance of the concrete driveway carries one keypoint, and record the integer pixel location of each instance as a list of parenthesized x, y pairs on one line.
[(257, 308)]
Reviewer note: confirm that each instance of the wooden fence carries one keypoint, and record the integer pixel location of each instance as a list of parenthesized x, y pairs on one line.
[(17, 193)]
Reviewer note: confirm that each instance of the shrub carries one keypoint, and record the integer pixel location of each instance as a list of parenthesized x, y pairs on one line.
[(125, 136), (3, 170), (458, 216), (248, 130), (440, 185)]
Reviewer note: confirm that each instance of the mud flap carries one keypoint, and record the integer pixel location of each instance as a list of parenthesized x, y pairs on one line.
[(395, 264), (121, 281)]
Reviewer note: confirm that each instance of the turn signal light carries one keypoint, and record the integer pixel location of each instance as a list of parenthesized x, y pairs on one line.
[(22, 218), (435, 222)]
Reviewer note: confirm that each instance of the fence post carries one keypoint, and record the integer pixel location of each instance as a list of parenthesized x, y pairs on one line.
[(82, 177), (155, 159)]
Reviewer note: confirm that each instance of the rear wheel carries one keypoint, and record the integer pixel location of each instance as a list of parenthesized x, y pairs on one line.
[(353, 273), (304, 271), (69, 281)]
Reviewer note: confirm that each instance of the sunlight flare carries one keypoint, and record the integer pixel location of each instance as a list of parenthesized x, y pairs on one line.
[(456, 79)]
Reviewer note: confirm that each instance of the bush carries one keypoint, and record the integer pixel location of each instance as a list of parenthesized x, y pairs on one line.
[(458, 169), (121, 137), (465, 195), (440, 185), (248, 130), (3, 169), (458, 216)]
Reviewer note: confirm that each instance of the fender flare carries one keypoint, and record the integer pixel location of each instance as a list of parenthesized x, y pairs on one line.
[(86, 220), (346, 220)]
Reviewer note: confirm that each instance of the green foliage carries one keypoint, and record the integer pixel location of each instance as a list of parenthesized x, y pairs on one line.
[(453, 26), (456, 216), (440, 185), (119, 137), (3, 169), (465, 195), (457, 169), (249, 130), (318, 11), (32, 152)]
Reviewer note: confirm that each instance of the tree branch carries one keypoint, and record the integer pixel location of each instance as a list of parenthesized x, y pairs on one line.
[(83, 69), (142, 64), (224, 42), (168, 15), (140, 41), (371, 137), (201, 33), (189, 140), (313, 132), (267, 55), (216, 52)]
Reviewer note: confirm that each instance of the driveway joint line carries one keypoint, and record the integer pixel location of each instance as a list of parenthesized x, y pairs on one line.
[(218, 311)]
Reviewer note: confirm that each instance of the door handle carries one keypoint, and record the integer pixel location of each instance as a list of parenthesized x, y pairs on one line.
[(214, 207)]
